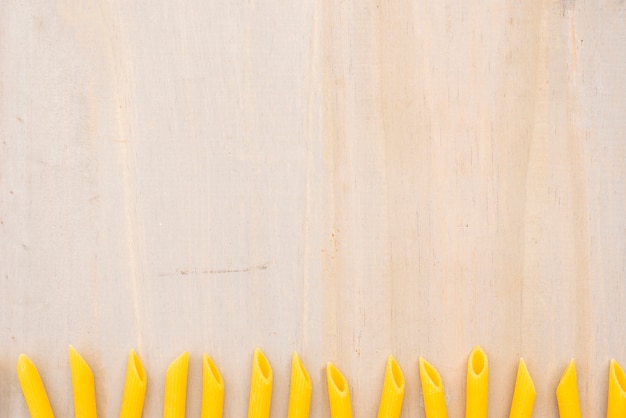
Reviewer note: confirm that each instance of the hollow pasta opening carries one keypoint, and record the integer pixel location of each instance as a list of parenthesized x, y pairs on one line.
[(137, 367), (217, 376), (620, 376), (478, 361), (432, 374), (396, 373), (337, 379), (301, 369), (263, 364)]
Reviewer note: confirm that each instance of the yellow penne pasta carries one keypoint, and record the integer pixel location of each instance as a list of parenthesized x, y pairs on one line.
[(432, 391), (83, 386), (212, 389), (524, 395), (567, 393), (393, 391), (134, 388), (617, 391), (338, 393), (300, 390), (260, 387), (33, 389), (477, 384), (175, 398)]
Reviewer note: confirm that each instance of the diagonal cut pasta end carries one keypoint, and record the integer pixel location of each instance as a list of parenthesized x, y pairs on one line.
[(524, 394), (618, 377), (393, 390), (176, 387), (212, 389), (262, 365), (567, 378), (210, 372), (524, 375), (33, 389), (477, 384), (393, 374), (180, 363), (79, 367), (135, 367), (297, 368), (300, 390), (83, 386), (567, 393), (432, 390), (338, 393), (23, 364), (260, 387), (616, 407), (430, 376), (478, 364), (134, 388), (336, 380)]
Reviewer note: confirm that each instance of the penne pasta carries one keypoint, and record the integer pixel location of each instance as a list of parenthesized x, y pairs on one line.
[(338, 393), (134, 388), (524, 395), (393, 391), (617, 391), (432, 391), (477, 384), (567, 393), (83, 386), (175, 398), (300, 390), (260, 387), (33, 389), (212, 389)]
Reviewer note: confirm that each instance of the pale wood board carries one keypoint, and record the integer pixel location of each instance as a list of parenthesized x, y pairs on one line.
[(347, 179)]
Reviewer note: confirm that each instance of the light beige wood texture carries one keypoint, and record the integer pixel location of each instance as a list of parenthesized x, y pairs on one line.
[(347, 179)]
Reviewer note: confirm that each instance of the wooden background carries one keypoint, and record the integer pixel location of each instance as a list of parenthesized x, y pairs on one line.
[(348, 179)]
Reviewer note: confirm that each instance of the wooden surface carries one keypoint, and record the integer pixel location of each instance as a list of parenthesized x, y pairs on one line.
[(348, 179)]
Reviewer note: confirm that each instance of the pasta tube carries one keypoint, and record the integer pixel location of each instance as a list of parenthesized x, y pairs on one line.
[(477, 384), (33, 389), (299, 390), (260, 387), (212, 390), (393, 391), (524, 395), (134, 388), (338, 393), (83, 386), (567, 393), (432, 391), (176, 387), (617, 391)]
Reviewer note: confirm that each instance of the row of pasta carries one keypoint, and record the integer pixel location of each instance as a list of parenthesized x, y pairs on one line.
[(301, 389)]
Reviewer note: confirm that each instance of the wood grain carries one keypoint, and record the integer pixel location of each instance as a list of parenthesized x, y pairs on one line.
[(347, 179)]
